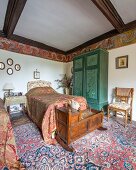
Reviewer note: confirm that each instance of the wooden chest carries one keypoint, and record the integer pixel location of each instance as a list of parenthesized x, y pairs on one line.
[(72, 124)]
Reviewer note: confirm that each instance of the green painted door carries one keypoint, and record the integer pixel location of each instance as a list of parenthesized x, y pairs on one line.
[(78, 66), (91, 77)]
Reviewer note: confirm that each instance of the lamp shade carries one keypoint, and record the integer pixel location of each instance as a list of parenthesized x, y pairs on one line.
[(8, 86)]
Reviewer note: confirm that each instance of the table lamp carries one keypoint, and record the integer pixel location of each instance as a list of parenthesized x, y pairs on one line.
[(8, 87)]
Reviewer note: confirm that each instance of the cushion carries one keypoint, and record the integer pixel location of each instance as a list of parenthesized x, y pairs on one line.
[(75, 105), (82, 101), (120, 105)]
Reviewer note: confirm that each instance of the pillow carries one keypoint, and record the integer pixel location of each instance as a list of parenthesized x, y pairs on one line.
[(82, 101), (75, 105)]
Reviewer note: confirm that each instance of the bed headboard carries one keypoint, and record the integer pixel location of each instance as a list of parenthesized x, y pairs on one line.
[(37, 83)]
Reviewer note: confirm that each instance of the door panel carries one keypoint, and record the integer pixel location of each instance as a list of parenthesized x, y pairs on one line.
[(78, 63), (91, 84), (78, 76), (92, 60), (78, 83)]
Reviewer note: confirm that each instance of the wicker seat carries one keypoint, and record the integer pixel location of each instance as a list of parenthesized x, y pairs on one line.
[(122, 103)]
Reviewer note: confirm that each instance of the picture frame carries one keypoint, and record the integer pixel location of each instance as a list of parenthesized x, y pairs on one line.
[(122, 62), (9, 61), (36, 74), (17, 67), (2, 66)]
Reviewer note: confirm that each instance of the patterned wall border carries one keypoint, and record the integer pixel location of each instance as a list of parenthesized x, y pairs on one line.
[(117, 41), (120, 40), (17, 47)]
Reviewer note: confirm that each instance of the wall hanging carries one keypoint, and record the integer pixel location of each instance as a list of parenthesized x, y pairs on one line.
[(10, 71), (122, 62), (36, 74), (2, 66), (9, 61)]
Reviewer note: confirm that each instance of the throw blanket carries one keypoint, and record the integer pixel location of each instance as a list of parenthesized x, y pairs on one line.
[(42, 102)]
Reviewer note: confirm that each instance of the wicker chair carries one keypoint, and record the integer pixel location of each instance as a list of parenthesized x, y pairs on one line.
[(122, 103)]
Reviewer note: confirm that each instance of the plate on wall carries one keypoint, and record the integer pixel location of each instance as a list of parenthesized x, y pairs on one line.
[(9, 61), (2, 66), (10, 71), (17, 67)]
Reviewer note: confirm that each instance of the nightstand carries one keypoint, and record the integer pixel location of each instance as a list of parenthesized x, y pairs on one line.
[(14, 100)]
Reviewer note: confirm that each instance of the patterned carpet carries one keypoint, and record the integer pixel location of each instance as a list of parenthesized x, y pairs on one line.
[(114, 149)]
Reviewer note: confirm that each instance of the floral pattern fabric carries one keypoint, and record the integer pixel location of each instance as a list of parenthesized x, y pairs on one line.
[(41, 104), (8, 151), (120, 105)]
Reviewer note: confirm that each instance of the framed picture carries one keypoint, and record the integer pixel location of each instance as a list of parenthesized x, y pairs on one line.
[(9, 61), (122, 62), (17, 67), (36, 74)]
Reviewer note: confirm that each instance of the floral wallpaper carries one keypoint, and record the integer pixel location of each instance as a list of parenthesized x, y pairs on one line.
[(17, 47), (120, 40)]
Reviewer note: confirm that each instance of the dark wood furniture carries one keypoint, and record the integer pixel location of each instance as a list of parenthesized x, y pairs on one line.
[(72, 124), (90, 73)]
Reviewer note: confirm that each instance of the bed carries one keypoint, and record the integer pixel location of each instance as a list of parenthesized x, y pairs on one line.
[(42, 100), (8, 150)]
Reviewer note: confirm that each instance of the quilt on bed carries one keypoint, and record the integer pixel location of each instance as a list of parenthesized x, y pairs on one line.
[(8, 152), (41, 103)]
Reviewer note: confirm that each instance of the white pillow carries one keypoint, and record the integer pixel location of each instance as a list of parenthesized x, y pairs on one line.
[(75, 105)]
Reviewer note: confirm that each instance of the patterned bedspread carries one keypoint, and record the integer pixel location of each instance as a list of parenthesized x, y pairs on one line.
[(41, 103), (8, 151)]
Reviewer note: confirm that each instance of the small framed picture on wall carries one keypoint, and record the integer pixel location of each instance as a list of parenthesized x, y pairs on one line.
[(36, 74), (122, 62)]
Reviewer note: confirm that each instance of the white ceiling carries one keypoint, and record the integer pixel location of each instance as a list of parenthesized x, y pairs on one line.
[(3, 8), (63, 24), (126, 9)]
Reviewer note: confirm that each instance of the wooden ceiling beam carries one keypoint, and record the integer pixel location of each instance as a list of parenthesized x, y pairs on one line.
[(13, 13), (109, 11), (2, 34), (130, 26)]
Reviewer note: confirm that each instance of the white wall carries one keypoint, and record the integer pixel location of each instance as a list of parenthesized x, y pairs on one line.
[(123, 77), (49, 70), (120, 77), (68, 68)]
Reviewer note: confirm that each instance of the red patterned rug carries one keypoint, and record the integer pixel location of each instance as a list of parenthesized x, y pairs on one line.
[(114, 149)]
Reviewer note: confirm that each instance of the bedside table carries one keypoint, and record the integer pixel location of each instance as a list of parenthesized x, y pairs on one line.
[(13, 100)]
